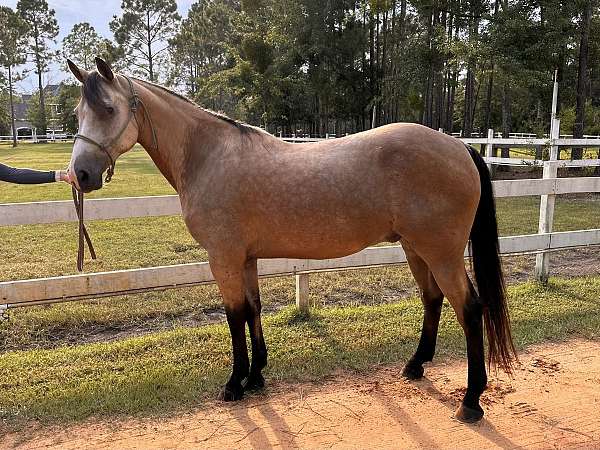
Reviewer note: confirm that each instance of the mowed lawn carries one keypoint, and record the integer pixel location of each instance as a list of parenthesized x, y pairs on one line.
[(65, 379)]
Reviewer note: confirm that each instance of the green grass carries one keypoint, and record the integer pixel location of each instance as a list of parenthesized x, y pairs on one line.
[(177, 369), (135, 175), (529, 153)]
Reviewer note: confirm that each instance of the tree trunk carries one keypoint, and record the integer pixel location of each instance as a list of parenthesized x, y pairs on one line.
[(439, 97), (490, 87), (578, 127), (12, 107), (451, 89), (452, 81), (372, 57), (469, 101), (506, 118), (383, 71), (429, 84), (149, 43), (42, 101), (488, 100)]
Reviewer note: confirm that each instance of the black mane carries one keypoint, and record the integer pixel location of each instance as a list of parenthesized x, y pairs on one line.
[(243, 127)]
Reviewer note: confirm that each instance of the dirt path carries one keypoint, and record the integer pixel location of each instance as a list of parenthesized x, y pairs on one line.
[(553, 402)]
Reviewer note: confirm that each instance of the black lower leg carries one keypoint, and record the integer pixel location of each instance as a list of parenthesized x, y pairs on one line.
[(470, 410), (233, 390), (426, 349), (259, 348)]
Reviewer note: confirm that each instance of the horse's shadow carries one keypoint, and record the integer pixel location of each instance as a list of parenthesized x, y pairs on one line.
[(484, 427), (255, 434)]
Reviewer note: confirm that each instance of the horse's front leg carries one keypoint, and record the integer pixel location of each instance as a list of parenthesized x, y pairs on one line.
[(230, 279), (259, 349)]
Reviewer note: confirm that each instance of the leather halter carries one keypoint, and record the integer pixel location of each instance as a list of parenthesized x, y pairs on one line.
[(134, 102)]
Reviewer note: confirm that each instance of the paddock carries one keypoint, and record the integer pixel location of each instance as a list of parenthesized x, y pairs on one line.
[(311, 334), (59, 289)]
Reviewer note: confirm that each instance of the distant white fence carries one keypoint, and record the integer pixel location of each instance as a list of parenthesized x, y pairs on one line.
[(93, 285), (52, 137)]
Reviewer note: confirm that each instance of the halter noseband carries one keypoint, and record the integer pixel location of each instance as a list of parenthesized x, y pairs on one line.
[(134, 102)]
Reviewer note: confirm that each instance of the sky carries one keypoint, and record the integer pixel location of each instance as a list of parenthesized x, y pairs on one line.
[(68, 12)]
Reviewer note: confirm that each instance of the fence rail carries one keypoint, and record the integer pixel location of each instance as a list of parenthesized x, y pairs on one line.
[(35, 213), (107, 284), (77, 287)]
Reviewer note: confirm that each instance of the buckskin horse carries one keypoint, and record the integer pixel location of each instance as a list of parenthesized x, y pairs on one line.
[(246, 194)]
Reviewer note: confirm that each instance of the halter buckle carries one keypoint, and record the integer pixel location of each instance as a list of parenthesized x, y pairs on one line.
[(133, 103)]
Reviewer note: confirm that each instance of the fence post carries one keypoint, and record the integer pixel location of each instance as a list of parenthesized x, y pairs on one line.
[(302, 301), (489, 147), (542, 260)]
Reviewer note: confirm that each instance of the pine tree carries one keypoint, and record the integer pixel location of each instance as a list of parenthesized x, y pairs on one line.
[(43, 28), (12, 53), (143, 26)]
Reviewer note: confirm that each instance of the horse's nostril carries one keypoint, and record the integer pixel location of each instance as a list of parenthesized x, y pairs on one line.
[(82, 175)]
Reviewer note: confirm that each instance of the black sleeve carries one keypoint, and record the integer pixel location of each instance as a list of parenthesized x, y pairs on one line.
[(26, 176)]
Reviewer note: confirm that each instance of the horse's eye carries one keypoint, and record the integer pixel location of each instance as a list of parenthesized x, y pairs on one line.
[(110, 109)]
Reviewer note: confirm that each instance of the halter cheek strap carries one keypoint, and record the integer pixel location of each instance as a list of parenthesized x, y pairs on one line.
[(134, 102)]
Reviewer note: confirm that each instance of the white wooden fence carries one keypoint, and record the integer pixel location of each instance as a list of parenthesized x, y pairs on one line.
[(94, 285), (35, 138)]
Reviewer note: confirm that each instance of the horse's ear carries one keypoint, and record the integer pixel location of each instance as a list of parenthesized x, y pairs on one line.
[(104, 69), (80, 74)]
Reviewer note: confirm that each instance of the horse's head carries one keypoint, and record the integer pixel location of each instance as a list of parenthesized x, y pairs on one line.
[(107, 128)]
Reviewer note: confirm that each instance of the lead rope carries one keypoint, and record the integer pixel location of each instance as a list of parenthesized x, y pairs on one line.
[(83, 233)]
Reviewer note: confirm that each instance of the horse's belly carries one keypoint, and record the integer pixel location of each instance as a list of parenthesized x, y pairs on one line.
[(327, 240)]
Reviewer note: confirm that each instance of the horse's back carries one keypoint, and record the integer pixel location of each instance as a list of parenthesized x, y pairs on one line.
[(335, 197)]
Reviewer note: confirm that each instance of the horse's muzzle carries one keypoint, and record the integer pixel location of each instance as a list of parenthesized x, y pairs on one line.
[(88, 179)]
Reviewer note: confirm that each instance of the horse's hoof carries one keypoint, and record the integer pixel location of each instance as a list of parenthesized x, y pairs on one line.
[(413, 371), (229, 394), (469, 415), (254, 383)]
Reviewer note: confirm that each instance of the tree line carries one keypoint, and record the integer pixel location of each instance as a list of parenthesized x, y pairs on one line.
[(341, 66)]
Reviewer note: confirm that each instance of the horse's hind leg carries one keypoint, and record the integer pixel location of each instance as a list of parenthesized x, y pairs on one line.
[(432, 299), (259, 349), (452, 279)]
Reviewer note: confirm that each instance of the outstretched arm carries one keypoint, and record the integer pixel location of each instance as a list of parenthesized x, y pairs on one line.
[(29, 176)]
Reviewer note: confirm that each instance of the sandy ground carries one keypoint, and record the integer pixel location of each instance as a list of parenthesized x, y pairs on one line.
[(553, 402)]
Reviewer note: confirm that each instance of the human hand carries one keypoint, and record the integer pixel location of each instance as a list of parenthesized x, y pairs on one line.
[(63, 175)]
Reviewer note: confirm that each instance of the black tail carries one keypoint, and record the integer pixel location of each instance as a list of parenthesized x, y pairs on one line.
[(488, 273)]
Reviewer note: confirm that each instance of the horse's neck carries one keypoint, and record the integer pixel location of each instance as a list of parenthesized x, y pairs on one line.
[(178, 126)]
